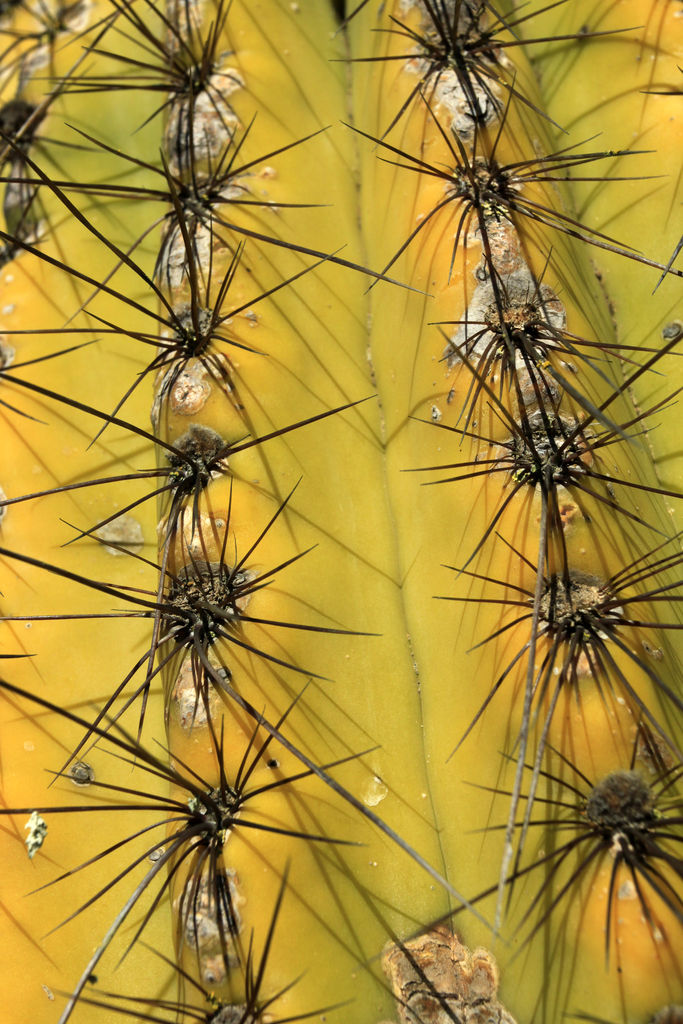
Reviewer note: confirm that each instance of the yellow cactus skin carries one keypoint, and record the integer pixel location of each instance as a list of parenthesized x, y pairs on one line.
[(639, 108), (407, 203), (405, 698), (251, 507), (280, 376), (44, 446)]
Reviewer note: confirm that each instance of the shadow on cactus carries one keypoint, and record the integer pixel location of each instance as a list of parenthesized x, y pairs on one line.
[(489, 193), (457, 55), (192, 853), (584, 623), (626, 822), (259, 1005), (194, 608), (547, 449)]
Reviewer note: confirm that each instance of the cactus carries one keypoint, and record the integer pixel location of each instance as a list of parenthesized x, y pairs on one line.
[(340, 573)]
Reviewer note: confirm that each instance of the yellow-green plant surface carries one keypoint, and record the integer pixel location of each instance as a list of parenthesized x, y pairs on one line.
[(339, 552)]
